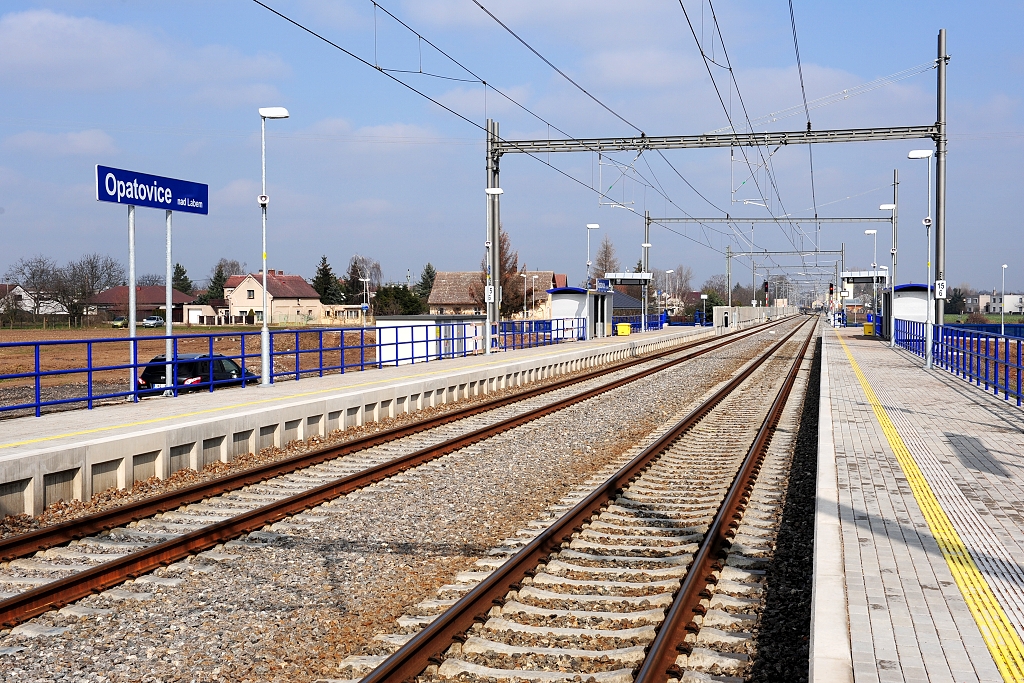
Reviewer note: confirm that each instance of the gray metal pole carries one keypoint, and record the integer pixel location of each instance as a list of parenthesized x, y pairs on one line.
[(895, 252), (930, 318), (168, 308), (940, 175), (493, 231), (131, 297), (644, 266), (728, 270), (264, 330)]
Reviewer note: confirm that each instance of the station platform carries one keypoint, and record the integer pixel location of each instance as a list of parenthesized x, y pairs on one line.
[(72, 454), (919, 528)]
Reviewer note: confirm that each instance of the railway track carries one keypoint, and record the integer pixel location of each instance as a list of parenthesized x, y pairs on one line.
[(653, 575), (132, 540)]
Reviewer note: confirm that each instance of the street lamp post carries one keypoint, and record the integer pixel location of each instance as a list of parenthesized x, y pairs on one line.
[(1002, 306), (586, 295), (874, 274), (523, 275), (533, 297), (892, 291), (266, 113), (668, 284), (927, 155)]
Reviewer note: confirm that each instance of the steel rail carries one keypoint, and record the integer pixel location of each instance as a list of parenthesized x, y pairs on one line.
[(21, 545), (659, 665), (62, 591), (427, 646)]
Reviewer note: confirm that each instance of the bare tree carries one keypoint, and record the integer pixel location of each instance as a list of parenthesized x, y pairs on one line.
[(80, 280), (37, 276), (230, 267), (718, 284), (150, 280), (368, 268), (606, 261)]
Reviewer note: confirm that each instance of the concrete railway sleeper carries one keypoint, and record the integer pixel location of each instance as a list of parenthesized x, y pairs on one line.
[(47, 537), (646, 576), (60, 575)]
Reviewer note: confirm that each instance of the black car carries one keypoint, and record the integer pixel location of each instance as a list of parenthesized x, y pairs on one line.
[(194, 373)]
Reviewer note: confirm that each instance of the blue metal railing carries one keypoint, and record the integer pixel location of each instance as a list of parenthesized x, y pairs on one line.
[(527, 334), (1012, 329), (986, 360), (654, 322), (59, 372)]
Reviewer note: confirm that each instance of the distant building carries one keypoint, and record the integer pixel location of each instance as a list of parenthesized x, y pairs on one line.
[(456, 293), (461, 293), (148, 300)]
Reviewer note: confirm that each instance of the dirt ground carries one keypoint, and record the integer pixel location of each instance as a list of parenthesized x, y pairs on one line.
[(63, 351)]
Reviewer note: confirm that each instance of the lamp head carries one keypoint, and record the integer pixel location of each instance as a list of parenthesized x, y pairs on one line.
[(920, 154), (870, 232), (592, 226), (646, 245), (1004, 265), (887, 207), (273, 112), (494, 190), (669, 272)]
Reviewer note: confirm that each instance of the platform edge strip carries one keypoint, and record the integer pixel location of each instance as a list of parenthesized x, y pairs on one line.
[(1004, 644)]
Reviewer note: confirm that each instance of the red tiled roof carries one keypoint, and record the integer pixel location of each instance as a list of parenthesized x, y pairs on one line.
[(561, 280), (143, 296), (279, 286)]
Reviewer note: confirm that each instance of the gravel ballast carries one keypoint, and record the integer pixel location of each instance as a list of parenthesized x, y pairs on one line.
[(290, 603)]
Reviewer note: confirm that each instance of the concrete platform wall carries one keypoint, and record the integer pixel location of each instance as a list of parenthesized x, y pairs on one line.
[(30, 480)]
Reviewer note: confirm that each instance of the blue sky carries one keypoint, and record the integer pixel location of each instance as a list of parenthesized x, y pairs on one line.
[(365, 166)]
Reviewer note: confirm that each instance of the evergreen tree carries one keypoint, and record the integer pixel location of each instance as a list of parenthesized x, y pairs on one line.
[(426, 284), (326, 284), (216, 288), (181, 281), (397, 300), (353, 287)]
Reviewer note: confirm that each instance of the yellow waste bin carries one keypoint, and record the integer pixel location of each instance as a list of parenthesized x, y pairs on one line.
[(869, 329), (622, 329)]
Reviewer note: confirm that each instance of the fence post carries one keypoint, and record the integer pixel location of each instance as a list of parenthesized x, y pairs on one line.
[(38, 386), (209, 365), (320, 347), (1006, 368), (88, 362), (1018, 373)]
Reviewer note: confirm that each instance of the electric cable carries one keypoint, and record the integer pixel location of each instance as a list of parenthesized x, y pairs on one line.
[(453, 112), (807, 114)]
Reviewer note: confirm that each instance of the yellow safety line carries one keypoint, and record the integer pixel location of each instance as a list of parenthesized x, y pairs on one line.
[(258, 402), (1004, 644)]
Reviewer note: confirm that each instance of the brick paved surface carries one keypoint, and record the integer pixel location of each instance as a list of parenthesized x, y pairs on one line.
[(908, 619)]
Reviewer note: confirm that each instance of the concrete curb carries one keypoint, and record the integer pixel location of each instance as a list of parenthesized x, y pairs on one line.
[(74, 467), (831, 654)]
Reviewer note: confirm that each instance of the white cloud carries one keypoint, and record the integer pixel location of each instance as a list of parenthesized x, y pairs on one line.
[(62, 144), (57, 52), (239, 192)]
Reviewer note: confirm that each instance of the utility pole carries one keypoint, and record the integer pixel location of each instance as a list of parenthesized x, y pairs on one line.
[(940, 174), (895, 248), (728, 270), (493, 243), (644, 266)]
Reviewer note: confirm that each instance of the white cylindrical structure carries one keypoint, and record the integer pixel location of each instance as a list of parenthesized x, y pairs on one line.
[(131, 298), (264, 330), (168, 312)]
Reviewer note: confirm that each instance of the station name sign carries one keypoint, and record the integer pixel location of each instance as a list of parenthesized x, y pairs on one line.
[(156, 192)]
